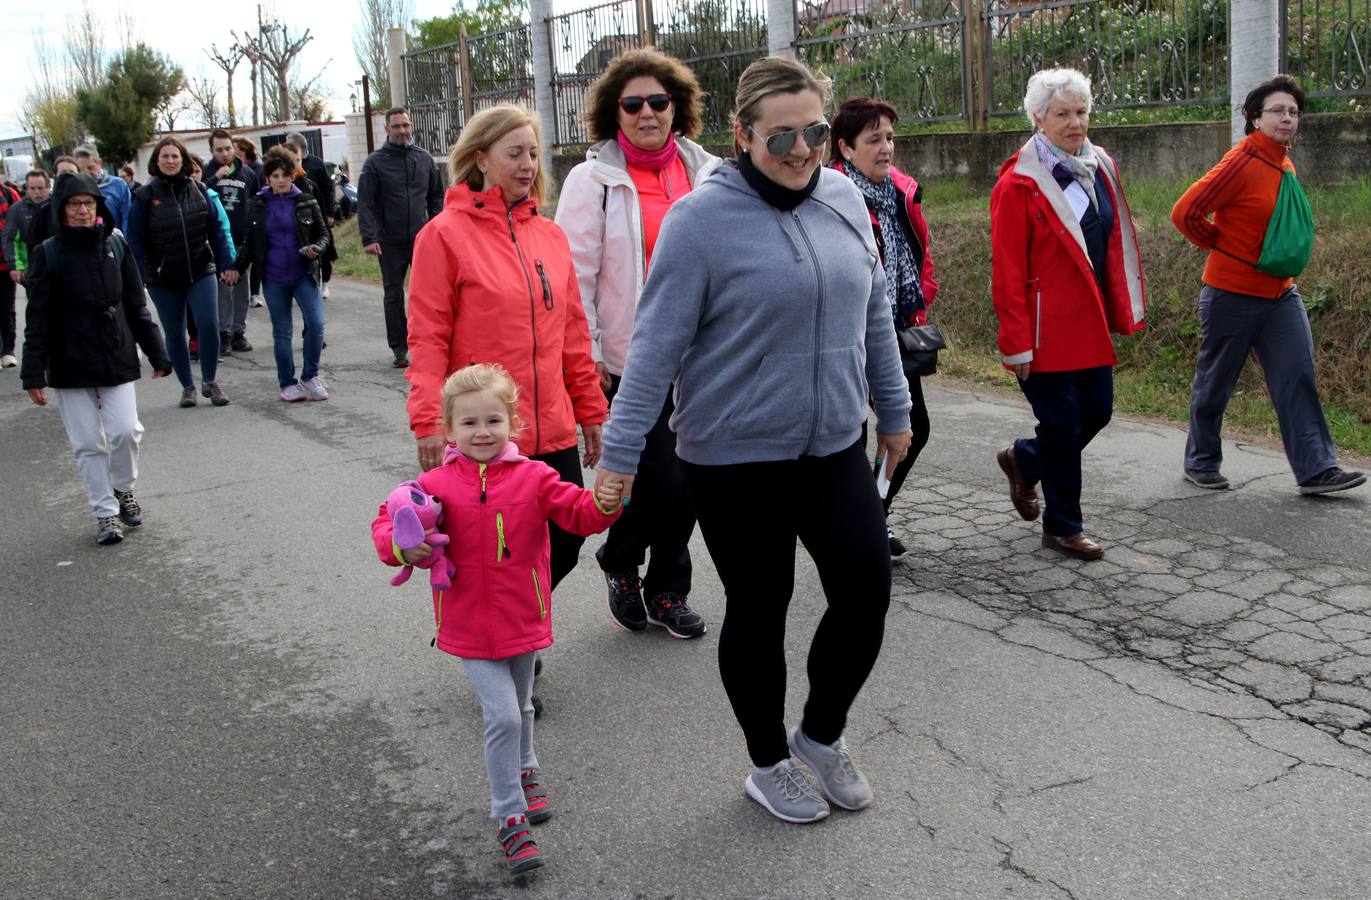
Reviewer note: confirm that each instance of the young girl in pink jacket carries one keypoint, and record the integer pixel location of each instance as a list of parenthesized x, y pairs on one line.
[(498, 612)]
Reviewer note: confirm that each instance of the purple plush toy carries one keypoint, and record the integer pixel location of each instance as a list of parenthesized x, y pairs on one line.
[(414, 517)]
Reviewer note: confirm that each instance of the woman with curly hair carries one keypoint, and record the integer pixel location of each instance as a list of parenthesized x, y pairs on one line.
[(641, 113)]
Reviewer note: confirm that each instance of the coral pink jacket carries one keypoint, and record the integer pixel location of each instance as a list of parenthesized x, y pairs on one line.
[(496, 513)]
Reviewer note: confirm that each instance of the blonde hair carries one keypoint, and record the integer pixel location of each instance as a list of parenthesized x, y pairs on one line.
[(773, 75), (483, 378), (484, 129)]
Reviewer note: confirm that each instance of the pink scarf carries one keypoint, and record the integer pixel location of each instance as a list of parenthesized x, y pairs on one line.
[(648, 159)]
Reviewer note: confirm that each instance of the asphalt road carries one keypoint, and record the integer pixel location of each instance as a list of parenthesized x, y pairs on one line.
[(234, 703)]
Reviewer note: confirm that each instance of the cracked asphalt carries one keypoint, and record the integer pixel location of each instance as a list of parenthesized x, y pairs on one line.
[(234, 703)]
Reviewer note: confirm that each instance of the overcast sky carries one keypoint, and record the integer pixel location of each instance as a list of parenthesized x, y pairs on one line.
[(184, 31)]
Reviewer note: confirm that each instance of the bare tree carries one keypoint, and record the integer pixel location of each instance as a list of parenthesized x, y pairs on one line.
[(228, 60), (168, 112), (204, 92), (84, 48), (48, 110), (369, 40), (274, 49)]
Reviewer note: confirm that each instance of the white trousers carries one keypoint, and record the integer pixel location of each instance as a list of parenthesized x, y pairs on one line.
[(102, 425)]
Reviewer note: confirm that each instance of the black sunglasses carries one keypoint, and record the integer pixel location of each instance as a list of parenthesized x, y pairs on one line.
[(634, 105), (782, 142)]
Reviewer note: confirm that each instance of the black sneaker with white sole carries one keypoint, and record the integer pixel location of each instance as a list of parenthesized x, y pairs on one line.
[(1334, 479), (625, 601), (1211, 481), (130, 513), (670, 611), (897, 547)]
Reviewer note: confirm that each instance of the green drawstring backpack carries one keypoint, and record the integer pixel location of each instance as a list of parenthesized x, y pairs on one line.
[(1289, 240)]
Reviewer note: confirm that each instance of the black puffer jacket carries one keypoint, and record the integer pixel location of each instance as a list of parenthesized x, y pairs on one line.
[(175, 235), (309, 229), (399, 191), (86, 314)]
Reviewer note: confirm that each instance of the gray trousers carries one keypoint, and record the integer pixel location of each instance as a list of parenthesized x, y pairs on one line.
[(233, 306), (1233, 325), (504, 687), (395, 260)]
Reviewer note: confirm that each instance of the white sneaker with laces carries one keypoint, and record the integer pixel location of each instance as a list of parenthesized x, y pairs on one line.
[(839, 778), (294, 392), (786, 793), (315, 388), (8, 361)]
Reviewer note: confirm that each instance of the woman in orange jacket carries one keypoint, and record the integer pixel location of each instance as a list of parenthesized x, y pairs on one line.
[(493, 282), (1243, 308), (1065, 273)]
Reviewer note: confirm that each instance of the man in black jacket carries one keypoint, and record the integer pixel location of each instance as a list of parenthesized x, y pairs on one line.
[(399, 191), (236, 184)]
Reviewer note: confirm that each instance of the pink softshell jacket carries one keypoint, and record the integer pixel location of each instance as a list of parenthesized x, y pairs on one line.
[(496, 514)]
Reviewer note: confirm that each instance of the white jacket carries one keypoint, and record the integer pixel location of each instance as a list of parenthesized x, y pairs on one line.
[(598, 209)]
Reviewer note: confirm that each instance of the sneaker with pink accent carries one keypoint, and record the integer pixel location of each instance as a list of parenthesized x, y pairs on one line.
[(539, 806), (315, 388), (292, 393), (521, 850)]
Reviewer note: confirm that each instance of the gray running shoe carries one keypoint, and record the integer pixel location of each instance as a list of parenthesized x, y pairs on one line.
[(838, 776), (107, 530), (315, 388), (212, 390), (1209, 480), (786, 793), (188, 396)]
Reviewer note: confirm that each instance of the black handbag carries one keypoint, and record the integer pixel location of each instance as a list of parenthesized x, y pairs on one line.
[(919, 346)]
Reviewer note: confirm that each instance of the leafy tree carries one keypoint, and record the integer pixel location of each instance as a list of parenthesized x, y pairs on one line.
[(120, 113), (53, 121), (485, 16)]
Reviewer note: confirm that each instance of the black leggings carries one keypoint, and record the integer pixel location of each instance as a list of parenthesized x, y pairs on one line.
[(750, 515), (566, 547), (918, 421)]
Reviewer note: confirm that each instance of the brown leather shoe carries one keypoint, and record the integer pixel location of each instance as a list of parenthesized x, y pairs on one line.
[(1021, 493), (1077, 545)]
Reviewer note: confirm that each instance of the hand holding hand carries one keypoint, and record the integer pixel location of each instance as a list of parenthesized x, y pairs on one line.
[(613, 485), (610, 497), (415, 555), (431, 451), (592, 434), (230, 276), (894, 447)]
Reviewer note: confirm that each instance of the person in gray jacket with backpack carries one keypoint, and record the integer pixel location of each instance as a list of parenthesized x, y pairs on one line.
[(85, 320), (766, 308)]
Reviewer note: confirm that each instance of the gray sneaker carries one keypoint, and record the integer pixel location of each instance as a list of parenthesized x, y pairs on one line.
[(188, 396), (215, 394), (315, 388), (786, 793), (107, 530), (838, 776)]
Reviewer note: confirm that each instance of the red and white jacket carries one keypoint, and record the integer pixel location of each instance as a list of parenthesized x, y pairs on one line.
[(496, 515), (1051, 310)]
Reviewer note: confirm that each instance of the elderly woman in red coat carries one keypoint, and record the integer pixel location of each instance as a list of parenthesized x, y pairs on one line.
[(1065, 274)]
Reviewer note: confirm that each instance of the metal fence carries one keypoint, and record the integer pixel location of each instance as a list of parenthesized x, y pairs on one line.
[(583, 42), (1328, 45), (501, 66), (436, 99), (908, 53)]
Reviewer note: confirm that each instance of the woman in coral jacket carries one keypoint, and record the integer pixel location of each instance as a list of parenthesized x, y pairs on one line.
[(863, 149), (493, 282), (1065, 273), (642, 113), (1243, 308)]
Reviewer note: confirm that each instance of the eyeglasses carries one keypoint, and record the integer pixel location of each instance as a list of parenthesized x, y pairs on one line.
[(634, 105), (1280, 111), (781, 143), (80, 204)]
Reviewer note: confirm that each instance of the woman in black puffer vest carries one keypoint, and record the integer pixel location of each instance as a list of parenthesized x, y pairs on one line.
[(179, 245)]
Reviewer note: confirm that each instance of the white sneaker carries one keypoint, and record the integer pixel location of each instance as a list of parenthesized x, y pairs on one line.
[(8, 361), (294, 392), (325, 290), (255, 300), (315, 388)]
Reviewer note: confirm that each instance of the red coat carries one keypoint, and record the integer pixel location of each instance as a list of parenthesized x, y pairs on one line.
[(500, 602), (910, 195), (491, 286), (1050, 307)]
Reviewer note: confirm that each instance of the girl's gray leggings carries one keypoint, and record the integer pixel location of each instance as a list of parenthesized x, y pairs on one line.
[(504, 687)]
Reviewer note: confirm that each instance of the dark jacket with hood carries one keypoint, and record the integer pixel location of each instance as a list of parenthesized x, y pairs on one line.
[(309, 229), (175, 235), (86, 315), (399, 191)]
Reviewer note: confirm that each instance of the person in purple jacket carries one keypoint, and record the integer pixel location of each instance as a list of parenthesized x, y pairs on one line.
[(286, 237)]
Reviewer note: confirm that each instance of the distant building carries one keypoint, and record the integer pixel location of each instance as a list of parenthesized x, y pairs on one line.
[(18, 146), (327, 140)]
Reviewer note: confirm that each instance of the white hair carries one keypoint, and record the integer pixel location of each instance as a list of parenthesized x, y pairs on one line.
[(1048, 85)]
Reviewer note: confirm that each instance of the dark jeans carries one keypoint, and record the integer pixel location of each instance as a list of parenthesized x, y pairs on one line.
[(1071, 408), (918, 422), (395, 260), (1232, 326), (305, 293), (566, 547), (202, 300), (660, 518), (8, 323), (751, 515)]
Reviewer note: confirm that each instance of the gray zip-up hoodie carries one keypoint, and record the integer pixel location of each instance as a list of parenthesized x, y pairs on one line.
[(772, 325)]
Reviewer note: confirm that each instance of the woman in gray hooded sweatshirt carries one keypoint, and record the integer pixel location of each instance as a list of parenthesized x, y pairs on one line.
[(765, 307)]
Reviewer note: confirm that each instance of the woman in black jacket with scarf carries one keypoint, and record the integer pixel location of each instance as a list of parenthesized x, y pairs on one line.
[(179, 244), (84, 323)]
